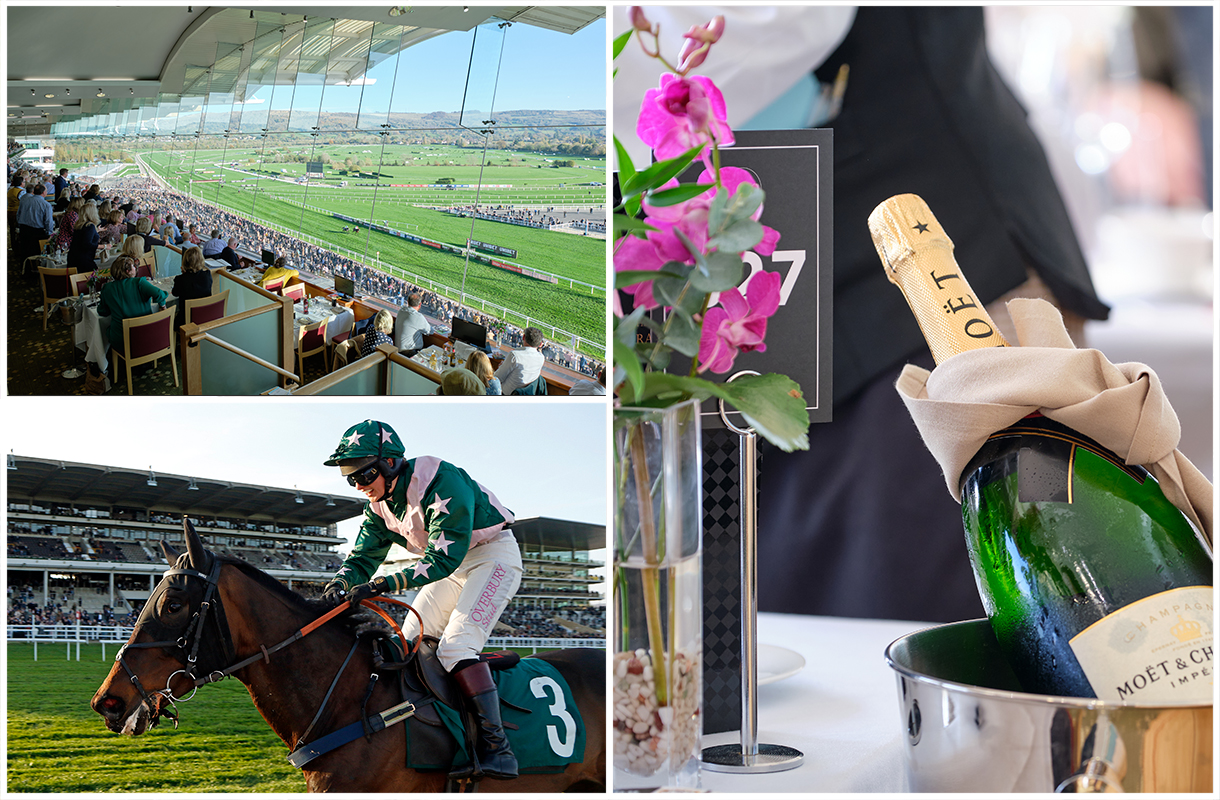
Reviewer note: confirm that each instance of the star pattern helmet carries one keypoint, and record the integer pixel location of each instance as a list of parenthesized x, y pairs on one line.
[(367, 440)]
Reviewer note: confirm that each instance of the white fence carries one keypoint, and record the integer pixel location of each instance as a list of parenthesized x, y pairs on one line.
[(77, 635)]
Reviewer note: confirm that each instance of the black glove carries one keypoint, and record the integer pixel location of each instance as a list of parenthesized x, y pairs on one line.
[(366, 590), (334, 592)]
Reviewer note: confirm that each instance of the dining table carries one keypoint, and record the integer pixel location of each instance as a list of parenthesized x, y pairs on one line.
[(92, 332), (826, 690)]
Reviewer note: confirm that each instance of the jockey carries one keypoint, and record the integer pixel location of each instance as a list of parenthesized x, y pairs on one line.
[(468, 571)]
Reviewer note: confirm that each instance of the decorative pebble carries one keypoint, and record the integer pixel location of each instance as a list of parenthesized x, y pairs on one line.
[(647, 734)]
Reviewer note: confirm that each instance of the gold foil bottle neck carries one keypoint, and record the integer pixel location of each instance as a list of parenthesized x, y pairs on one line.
[(917, 256)]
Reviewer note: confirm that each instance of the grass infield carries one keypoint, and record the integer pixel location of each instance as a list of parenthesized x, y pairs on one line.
[(57, 743)]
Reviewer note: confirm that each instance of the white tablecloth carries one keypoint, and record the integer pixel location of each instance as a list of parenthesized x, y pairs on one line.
[(841, 710), (93, 331), (340, 318)]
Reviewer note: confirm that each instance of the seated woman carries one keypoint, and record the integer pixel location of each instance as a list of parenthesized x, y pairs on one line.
[(67, 224), (277, 271), (194, 282), (114, 230), (383, 326), (126, 296), (82, 254), (144, 228), (167, 233), (480, 365)]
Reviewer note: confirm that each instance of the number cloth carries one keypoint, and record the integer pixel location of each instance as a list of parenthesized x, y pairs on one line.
[(548, 738), (1120, 406)]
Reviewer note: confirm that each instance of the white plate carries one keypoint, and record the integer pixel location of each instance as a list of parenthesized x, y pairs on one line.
[(776, 663)]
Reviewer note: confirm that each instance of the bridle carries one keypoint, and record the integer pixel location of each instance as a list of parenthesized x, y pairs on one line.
[(188, 644)]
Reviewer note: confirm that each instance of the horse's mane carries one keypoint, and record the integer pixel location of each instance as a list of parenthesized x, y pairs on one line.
[(316, 608)]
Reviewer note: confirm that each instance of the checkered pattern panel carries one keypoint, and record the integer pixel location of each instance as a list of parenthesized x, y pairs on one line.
[(721, 581)]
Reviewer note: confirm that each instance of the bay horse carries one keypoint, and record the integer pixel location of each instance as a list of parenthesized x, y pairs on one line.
[(212, 612)]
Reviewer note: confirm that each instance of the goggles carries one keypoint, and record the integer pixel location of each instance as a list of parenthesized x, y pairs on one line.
[(365, 476)]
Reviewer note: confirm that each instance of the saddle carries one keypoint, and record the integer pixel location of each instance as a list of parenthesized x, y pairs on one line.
[(425, 682)]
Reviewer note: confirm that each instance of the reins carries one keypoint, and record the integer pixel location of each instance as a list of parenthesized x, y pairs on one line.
[(196, 626)]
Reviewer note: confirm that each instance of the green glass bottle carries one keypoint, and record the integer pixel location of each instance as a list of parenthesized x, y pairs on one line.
[(1095, 584)]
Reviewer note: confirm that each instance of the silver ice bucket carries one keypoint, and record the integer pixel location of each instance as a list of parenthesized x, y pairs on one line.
[(970, 728)]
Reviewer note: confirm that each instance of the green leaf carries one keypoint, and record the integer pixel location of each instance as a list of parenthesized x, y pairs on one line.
[(626, 169), (673, 290), (625, 357), (630, 277), (627, 326), (717, 210), (682, 333), (621, 40), (624, 224), (771, 404), (632, 206), (659, 173), (739, 237), (722, 270), (744, 202), (678, 194)]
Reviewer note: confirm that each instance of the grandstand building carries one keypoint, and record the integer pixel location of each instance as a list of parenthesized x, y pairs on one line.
[(83, 543)]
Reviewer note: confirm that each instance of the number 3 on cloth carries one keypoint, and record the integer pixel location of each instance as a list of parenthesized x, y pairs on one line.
[(563, 748)]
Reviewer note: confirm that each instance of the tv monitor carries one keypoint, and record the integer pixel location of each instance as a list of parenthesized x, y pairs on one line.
[(268, 257), (345, 286), (471, 333)]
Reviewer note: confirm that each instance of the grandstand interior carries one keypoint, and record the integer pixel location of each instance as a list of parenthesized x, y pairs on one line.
[(83, 544), (304, 131)]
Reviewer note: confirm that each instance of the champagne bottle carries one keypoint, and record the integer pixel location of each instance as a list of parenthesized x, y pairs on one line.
[(1095, 584)]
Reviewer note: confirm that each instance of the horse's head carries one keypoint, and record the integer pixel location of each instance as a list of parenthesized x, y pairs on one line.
[(179, 636)]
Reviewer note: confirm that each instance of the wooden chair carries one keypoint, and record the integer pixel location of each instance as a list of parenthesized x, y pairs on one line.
[(206, 309), (80, 283), (339, 338), (295, 292), (311, 341), (56, 285), (148, 266), (36, 257), (145, 339), (274, 286)]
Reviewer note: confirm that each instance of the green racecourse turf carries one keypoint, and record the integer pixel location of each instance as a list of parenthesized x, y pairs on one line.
[(576, 309), (57, 743)]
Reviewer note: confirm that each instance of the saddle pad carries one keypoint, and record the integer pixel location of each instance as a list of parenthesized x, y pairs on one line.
[(547, 738)]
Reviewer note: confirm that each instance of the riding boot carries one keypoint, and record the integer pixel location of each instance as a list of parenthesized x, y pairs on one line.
[(494, 755)]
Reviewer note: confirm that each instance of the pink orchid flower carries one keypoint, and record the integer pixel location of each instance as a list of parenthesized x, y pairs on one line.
[(635, 15), (691, 216), (683, 113), (738, 324), (633, 253)]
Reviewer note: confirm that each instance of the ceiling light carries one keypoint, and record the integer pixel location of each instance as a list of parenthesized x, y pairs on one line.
[(299, 499), (68, 92), (12, 462), (152, 476), (192, 487), (100, 93), (32, 94), (465, 9), (330, 501), (49, 94)]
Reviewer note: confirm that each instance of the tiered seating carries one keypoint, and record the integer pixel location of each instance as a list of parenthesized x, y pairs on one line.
[(39, 547)]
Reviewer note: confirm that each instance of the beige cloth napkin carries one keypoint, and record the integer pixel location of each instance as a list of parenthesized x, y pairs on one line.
[(1120, 406)]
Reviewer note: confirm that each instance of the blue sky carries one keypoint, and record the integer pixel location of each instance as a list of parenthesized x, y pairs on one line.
[(538, 69)]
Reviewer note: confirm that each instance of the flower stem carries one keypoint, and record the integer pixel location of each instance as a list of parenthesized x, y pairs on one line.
[(650, 574)]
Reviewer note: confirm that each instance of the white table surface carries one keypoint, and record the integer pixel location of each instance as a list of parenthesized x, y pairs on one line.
[(841, 710), (93, 331)]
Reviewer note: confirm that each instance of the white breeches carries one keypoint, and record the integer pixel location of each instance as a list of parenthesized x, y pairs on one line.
[(462, 608)]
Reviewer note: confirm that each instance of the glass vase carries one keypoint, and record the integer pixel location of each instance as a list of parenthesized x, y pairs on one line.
[(658, 598)]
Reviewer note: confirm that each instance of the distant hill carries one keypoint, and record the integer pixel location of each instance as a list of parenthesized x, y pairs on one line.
[(541, 130)]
